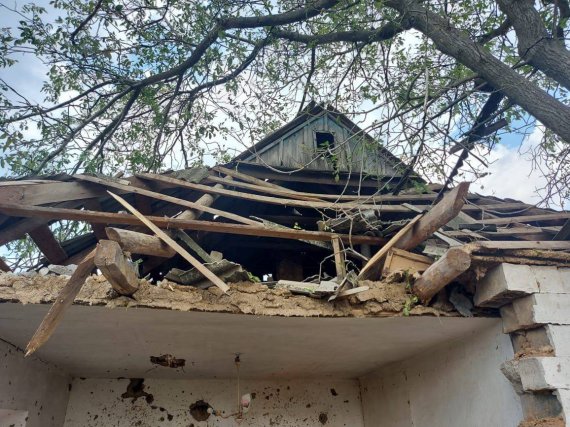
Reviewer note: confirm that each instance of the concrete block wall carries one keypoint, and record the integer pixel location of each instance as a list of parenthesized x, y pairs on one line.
[(535, 308), (33, 393)]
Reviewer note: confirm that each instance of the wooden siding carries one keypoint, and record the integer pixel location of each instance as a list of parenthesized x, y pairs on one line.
[(298, 149)]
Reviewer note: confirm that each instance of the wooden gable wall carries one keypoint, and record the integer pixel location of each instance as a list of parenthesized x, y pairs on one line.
[(298, 148)]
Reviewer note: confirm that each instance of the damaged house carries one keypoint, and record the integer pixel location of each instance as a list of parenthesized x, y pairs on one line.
[(308, 282)]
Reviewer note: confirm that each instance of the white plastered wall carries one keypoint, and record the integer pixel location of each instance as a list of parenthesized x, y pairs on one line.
[(99, 402), (458, 383), (32, 393)]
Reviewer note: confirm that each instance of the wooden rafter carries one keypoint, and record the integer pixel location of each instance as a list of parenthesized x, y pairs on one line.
[(48, 244), (182, 224)]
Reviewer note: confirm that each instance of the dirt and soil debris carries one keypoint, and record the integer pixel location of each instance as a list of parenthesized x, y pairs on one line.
[(386, 298), (544, 422)]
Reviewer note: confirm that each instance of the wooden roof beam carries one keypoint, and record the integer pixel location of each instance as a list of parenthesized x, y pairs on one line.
[(48, 244), (257, 230)]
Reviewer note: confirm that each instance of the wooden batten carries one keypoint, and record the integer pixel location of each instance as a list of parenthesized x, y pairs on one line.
[(119, 271), (175, 200), (257, 230), (170, 242)]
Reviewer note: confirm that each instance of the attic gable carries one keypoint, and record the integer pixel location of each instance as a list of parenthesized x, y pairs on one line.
[(322, 139)]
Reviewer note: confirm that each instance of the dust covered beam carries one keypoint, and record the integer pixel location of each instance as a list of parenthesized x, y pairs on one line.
[(183, 224), (139, 243)]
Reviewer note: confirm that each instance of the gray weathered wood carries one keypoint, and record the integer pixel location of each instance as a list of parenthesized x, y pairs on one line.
[(119, 271), (139, 243), (441, 273), (48, 244), (62, 302), (169, 241)]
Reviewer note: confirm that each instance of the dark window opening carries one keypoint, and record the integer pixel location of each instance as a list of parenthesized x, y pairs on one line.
[(325, 140)]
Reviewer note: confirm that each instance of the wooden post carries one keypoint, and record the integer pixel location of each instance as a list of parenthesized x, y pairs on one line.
[(139, 243), (338, 257), (62, 302), (121, 274), (441, 273), (170, 242)]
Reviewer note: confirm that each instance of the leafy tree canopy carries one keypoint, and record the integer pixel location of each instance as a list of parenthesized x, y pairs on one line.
[(140, 84)]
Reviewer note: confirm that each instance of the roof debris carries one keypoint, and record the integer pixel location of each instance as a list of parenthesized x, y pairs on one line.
[(282, 239)]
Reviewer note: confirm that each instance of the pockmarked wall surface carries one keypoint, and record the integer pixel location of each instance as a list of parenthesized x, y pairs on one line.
[(33, 393), (153, 402)]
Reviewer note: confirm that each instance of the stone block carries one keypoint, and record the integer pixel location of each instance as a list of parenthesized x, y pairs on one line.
[(544, 373), (505, 283), (534, 310)]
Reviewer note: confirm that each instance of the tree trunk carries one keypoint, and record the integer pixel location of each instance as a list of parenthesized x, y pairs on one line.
[(449, 40), (535, 44)]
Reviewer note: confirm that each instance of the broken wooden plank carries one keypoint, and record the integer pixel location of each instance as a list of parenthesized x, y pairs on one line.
[(48, 244), (271, 200), (441, 273), (526, 218), (117, 269), (279, 191), (447, 209), (438, 233), (374, 263), (139, 243), (63, 301), (547, 245), (184, 224), (39, 194), (339, 260), (400, 260), (169, 241), (171, 199)]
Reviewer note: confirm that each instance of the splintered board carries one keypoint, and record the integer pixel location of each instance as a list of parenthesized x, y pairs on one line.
[(400, 260)]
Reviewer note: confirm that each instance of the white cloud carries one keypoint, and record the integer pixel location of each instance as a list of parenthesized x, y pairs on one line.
[(511, 173)]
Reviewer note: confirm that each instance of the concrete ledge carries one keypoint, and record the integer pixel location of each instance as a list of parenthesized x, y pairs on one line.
[(535, 310), (505, 283), (559, 337), (544, 373)]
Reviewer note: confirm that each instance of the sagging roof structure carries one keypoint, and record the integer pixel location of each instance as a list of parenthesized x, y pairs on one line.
[(322, 226)]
